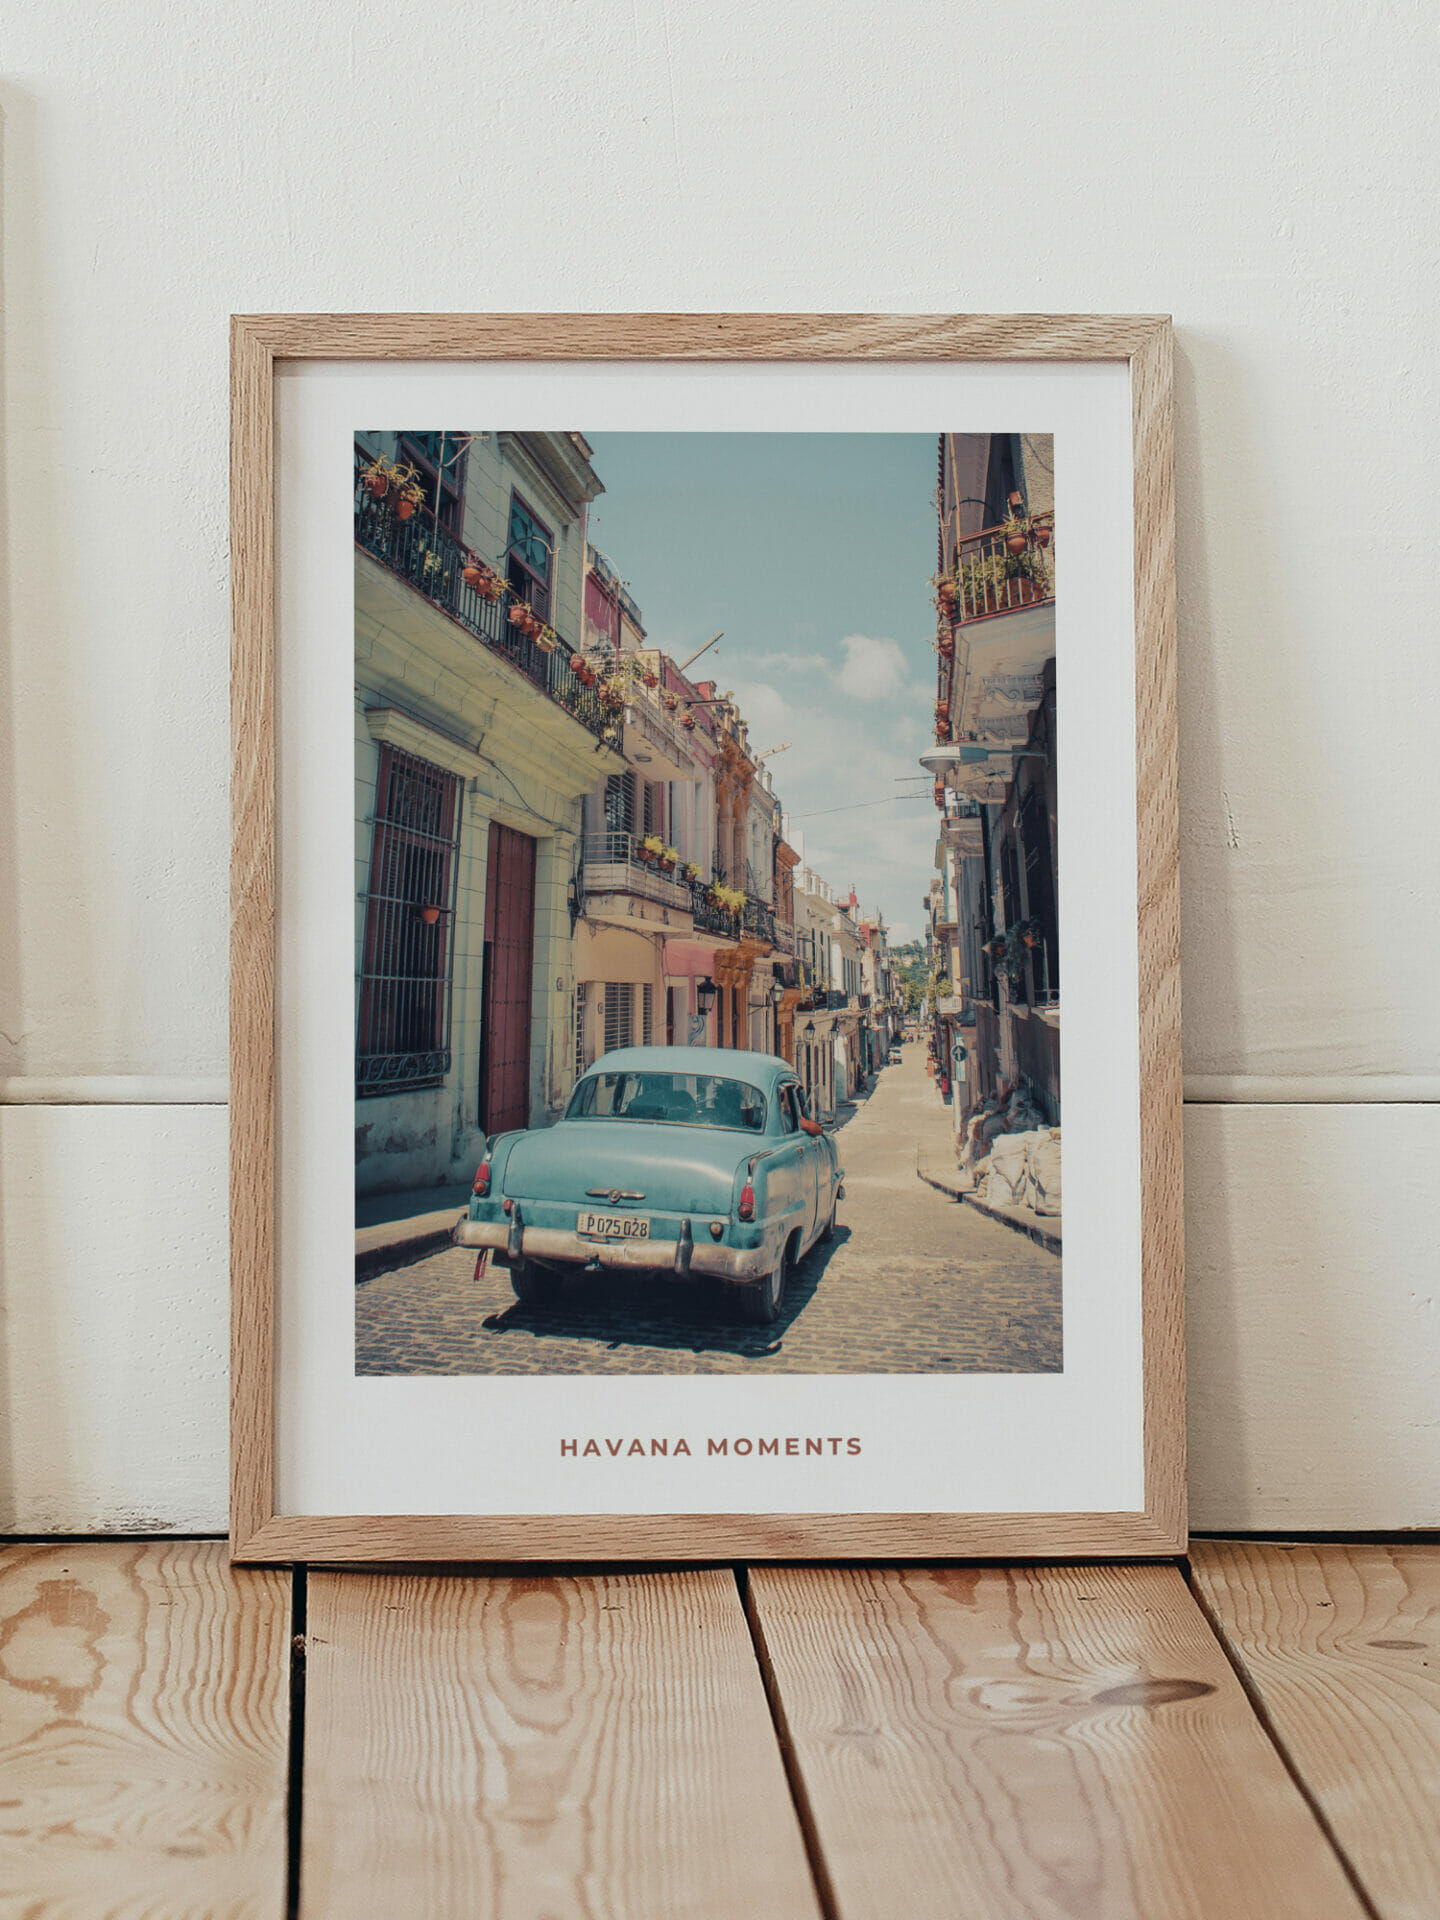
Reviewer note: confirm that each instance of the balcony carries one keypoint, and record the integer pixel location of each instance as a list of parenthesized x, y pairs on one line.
[(996, 574), (758, 920), (784, 937), (710, 918), (611, 863), (431, 560)]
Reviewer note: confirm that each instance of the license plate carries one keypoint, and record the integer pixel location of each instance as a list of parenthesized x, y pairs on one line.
[(614, 1226)]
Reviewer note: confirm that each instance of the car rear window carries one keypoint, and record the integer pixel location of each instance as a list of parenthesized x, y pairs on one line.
[(683, 1099)]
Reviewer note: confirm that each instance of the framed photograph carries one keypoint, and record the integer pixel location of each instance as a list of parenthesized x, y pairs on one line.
[(678, 760)]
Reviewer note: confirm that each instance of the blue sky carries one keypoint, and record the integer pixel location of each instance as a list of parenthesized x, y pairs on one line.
[(813, 552)]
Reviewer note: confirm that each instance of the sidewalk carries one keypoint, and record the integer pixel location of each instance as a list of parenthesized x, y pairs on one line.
[(935, 1165), (1043, 1229), (391, 1227)]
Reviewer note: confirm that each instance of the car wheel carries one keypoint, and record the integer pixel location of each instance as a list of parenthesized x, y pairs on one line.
[(534, 1286), (762, 1303)]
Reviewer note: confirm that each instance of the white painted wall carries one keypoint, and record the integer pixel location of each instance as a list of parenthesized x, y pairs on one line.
[(1271, 187)]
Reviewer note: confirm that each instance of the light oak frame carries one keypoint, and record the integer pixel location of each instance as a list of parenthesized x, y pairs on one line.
[(258, 1532)]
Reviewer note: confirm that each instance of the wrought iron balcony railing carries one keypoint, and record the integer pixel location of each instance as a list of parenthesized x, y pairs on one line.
[(1000, 571), (710, 918), (432, 560), (758, 919)]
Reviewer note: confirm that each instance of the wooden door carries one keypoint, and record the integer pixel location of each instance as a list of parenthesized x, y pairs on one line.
[(509, 980)]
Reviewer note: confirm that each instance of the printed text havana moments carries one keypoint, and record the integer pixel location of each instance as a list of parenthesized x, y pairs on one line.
[(790, 1447)]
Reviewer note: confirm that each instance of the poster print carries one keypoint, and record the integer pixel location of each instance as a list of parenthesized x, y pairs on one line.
[(647, 780), (707, 945)]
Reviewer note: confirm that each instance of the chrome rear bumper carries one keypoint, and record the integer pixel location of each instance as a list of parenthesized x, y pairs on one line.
[(654, 1256)]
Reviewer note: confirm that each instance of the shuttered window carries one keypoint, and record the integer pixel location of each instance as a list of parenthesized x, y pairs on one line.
[(619, 1017), (647, 1014)]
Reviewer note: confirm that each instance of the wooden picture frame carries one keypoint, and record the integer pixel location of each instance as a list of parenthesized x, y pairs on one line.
[(261, 344)]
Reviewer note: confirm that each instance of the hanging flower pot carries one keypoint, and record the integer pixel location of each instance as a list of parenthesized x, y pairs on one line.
[(376, 482), (1031, 938), (652, 680), (546, 639), (404, 508), (947, 592), (1015, 544), (687, 721), (1042, 536), (671, 703), (520, 616), (430, 915)]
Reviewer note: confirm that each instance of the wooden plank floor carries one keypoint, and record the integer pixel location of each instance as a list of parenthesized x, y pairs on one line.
[(183, 1741)]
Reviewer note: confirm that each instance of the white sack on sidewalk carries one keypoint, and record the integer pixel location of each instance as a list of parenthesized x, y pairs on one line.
[(1006, 1179)]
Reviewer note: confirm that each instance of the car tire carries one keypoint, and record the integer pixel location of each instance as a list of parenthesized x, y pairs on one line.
[(534, 1286), (762, 1304)]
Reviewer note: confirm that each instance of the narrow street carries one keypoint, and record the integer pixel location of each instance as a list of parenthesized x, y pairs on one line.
[(914, 1282)]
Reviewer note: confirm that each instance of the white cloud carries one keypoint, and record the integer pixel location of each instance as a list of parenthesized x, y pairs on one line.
[(873, 669)]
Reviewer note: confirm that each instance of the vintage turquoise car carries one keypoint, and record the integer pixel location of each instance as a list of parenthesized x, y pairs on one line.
[(672, 1160)]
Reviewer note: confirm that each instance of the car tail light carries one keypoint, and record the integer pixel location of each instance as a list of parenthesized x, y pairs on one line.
[(506, 1206), (482, 1178), (746, 1208)]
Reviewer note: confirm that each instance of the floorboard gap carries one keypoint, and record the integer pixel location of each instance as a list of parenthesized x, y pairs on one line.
[(800, 1799), (296, 1782), (1273, 1735)]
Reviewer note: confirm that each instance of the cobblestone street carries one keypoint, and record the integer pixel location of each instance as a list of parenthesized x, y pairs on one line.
[(914, 1282)]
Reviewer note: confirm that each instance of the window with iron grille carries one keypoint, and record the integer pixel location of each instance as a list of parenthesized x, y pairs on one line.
[(403, 1032), (528, 556), (647, 1015)]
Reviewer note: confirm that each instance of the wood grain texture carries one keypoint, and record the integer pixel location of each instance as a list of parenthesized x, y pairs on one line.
[(252, 931), (558, 1746), (354, 1539), (1341, 1644), (144, 1703), (1162, 1187), (992, 1744), (258, 343), (698, 336)]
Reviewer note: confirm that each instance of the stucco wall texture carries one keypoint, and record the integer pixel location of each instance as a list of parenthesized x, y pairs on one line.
[(1266, 176)]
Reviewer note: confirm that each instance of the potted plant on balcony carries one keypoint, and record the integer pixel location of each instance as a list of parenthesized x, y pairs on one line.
[(583, 669), (545, 637), (687, 720), (1016, 532), (650, 677), (692, 872), (947, 594), (613, 693), (945, 643), (652, 847), (522, 617), (669, 701), (482, 579), (669, 858), (376, 479)]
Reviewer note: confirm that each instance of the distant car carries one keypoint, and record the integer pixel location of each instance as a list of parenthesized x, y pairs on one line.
[(895, 1053), (669, 1160)]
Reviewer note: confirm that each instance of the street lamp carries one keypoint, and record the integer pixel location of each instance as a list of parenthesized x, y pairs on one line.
[(705, 992), (777, 992)]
